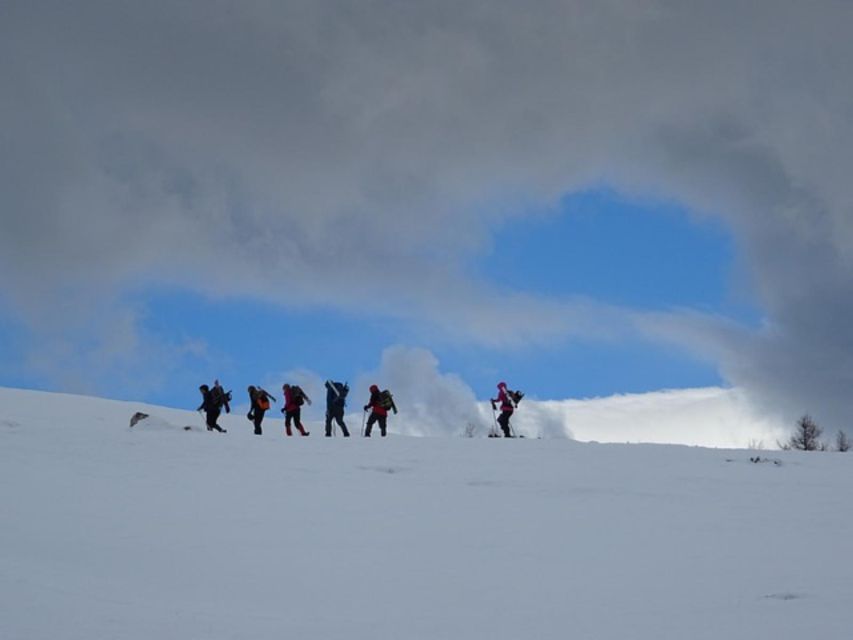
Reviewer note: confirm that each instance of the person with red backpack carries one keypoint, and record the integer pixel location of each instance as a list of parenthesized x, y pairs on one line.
[(509, 401), (260, 401), (380, 403), (294, 398)]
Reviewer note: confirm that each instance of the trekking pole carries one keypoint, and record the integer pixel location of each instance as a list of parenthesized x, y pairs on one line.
[(363, 418), (495, 427)]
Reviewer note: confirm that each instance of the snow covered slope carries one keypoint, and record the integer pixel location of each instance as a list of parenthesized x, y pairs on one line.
[(157, 532)]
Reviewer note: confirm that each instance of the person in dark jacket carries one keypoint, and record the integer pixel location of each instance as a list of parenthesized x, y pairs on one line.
[(294, 398), (212, 406), (378, 411), (507, 408), (260, 401), (221, 396), (336, 400)]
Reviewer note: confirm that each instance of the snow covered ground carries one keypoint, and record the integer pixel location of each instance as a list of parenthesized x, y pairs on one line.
[(157, 532)]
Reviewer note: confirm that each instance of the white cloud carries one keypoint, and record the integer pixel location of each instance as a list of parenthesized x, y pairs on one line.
[(122, 359)]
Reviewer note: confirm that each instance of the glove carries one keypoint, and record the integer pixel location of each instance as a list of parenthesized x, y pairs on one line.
[(282, 409), (493, 405), (366, 407), (250, 416), (395, 412)]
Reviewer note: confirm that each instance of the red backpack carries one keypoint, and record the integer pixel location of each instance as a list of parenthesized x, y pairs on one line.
[(263, 401)]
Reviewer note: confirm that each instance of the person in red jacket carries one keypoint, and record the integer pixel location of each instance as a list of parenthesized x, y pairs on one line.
[(294, 398), (379, 403), (507, 408)]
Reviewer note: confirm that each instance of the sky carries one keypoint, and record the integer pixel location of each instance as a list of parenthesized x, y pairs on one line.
[(583, 199)]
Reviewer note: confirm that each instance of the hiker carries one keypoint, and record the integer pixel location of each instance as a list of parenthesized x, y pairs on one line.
[(379, 404), (509, 401), (260, 401), (336, 400), (221, 397), (294, 398), (212, 406)]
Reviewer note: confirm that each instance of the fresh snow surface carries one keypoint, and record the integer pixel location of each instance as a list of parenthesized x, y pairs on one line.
[(110, 532)]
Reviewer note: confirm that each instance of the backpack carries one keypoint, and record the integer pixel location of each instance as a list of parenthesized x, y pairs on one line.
[(219, 397), (516, 396), (298, 395), (386, 400), (263, 401), (337, 393)]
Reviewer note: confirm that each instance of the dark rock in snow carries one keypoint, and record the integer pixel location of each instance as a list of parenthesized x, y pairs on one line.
[(137, 417)]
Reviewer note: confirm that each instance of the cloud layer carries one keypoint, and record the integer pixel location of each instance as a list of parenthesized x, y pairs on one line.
[(365, 151)]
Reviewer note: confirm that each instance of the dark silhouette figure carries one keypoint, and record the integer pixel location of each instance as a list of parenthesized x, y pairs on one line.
[(507, 408), (379, 404), (336, 401), (211, 404), (260, 401), (294, 398)]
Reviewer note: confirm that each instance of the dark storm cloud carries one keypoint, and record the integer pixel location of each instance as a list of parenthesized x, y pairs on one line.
[(365, 149)]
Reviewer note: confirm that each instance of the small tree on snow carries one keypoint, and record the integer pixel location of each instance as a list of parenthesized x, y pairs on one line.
[(806, 436), (841, 442), (755, 445)]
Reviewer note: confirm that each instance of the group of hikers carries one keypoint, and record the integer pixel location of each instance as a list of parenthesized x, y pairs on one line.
[(215, 399)]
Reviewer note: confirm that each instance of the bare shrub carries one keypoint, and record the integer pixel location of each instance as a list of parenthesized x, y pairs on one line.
[(806, 436)]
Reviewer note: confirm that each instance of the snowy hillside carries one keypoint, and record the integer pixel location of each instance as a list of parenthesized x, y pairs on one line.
[(158, 532)]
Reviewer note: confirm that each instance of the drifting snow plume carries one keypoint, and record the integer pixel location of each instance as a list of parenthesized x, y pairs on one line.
[(432, 403), (534, 419), (711, 417)]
